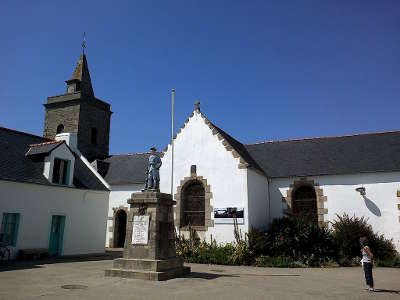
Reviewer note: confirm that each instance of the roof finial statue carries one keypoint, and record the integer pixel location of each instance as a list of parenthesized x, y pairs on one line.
[(197, 105), (84, 43)]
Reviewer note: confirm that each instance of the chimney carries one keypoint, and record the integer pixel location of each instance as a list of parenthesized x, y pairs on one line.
[(70, 138)]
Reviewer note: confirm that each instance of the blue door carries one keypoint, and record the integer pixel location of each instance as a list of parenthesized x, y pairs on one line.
[(56, 235)]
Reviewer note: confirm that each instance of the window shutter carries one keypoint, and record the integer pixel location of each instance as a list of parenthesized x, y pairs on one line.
[(67, 172), (15, 231)]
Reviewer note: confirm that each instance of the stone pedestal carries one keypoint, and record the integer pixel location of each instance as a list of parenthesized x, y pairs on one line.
[(150, 257)]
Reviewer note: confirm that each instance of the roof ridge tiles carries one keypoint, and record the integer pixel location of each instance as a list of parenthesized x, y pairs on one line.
[(322, 137), (46, 143)]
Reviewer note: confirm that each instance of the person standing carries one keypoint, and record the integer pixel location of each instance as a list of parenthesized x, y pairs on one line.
[(367, 262)]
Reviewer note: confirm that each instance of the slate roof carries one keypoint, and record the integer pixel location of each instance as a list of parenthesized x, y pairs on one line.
[(82, 74), (240, 148), (361, 153), (125, 168), (16, 166), (371, 152)]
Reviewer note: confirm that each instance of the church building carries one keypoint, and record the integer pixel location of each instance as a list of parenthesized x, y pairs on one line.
[(217, 178), (72, 180)]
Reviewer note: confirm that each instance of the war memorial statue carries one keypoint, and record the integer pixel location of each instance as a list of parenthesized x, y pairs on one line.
[(149, 248), (153, 171)]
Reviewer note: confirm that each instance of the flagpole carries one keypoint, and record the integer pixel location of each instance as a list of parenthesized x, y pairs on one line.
[(172, 141)]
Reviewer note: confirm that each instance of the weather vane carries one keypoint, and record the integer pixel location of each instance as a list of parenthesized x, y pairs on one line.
[(84, 43)]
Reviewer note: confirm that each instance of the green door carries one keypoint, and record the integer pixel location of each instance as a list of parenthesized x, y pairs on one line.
[(56, 235)]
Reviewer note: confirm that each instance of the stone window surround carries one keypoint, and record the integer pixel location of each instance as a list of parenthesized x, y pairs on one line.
[(208, 209), (319, 193), (112, 227)]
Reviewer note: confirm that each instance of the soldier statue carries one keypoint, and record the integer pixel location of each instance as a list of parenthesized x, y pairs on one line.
[(153, 173)]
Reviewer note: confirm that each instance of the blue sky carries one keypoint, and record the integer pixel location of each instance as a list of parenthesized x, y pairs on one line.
[(263, 70)]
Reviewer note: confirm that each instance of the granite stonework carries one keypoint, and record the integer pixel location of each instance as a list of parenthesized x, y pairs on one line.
[(157, 259), (78, 110)]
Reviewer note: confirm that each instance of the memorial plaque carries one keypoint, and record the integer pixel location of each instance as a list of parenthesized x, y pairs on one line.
[(140, 234)]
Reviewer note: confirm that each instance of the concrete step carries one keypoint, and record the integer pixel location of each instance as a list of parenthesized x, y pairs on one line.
[(155, 265), (148, 275)]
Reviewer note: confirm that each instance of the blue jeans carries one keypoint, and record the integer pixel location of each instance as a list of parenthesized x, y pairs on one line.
[(368, 274)]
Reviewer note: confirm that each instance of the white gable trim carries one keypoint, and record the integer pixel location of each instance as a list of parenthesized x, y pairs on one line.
[(87, 163)]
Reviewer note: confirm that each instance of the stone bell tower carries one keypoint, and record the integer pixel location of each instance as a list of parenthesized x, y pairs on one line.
[(79, 111)]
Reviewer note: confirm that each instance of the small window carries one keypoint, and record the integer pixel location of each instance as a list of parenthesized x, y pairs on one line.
[(193, 170), (61, 171), (93, 137), (9, 229), (60, 128)]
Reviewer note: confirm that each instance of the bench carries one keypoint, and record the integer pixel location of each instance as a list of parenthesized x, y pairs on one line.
[(35, 253)]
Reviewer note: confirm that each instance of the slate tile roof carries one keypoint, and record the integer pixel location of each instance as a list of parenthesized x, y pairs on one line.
[(125, 168), (361, 153), (16, 166), (240, 149)]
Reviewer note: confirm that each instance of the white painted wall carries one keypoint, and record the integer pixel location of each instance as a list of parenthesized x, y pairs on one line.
[(85, 212), (70, 138), (258, 199), (119, 196), (381, 190), (196, 145)]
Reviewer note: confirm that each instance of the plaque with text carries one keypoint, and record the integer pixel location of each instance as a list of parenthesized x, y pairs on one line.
[(140, 234)]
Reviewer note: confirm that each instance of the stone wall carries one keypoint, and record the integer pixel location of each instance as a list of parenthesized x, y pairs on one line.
[(81, 115), (90, 117), (62, 113)]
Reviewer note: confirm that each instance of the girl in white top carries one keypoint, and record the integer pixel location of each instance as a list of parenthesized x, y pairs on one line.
[(367, 263)]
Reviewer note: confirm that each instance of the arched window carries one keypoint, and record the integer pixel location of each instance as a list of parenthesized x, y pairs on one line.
[(193, 203), (119, 228), (304, 203), (93, 136), (60, 128)]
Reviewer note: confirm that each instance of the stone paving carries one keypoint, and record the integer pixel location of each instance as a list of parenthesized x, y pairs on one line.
[(86, 278)]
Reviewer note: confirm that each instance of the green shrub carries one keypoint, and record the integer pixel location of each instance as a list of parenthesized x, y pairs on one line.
[(347, 232), (301, 240), (196, 251), (391, 263), (292, 242), (243, 253), (257, 241), (349, 262)]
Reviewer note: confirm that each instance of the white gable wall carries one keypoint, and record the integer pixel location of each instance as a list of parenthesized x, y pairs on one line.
[(119, 196), (381, 208), (196, 145), (258, 199)]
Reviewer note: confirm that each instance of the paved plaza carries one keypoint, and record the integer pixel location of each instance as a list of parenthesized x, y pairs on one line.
[(67, 279)]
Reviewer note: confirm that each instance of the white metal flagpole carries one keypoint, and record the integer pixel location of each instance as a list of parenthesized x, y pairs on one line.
[(172, 141)]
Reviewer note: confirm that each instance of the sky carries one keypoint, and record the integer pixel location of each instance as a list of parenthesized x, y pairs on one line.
[(262, 70)]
